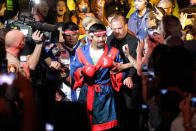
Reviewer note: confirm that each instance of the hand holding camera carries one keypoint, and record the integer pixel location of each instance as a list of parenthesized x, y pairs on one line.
[(186, 108), (37, 37)]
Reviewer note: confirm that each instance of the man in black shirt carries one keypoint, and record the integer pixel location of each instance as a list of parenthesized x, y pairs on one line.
[(129, 96), (118, 39)]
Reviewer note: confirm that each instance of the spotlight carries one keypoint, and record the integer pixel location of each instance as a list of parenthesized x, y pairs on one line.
[(37, 1)]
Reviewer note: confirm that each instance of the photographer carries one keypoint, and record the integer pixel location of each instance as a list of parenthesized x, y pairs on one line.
[(16, 112), (25, 18), (15, 42)]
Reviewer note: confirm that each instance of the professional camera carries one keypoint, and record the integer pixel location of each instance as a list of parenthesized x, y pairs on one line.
[(27, 25)]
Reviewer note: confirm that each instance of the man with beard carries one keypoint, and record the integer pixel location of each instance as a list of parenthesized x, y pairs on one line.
[(91, 71)]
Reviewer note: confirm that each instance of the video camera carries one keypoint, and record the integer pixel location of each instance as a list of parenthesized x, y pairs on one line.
[(27, 25)]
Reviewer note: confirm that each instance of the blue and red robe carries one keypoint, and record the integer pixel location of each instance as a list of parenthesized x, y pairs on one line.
[(97, 93)]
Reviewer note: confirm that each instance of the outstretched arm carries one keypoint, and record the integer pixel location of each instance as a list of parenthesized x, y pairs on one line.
[(132, 61), (140, 48), (34, 57)]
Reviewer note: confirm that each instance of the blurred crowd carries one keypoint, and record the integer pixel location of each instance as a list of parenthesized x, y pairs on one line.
[(115, 65)]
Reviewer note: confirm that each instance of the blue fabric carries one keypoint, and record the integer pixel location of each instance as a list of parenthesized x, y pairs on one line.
[(73, 96), (104, 103), (139, 25)]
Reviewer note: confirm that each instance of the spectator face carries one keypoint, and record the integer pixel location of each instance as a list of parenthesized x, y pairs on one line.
[(151, 26), (81, 6), (43, 9), (167, 6), (71, 39), (61, 8), (139, 4), (99, 41), (151, 22), (119, 28)]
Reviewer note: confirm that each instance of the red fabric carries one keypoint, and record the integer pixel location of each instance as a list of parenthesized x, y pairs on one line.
[(90, 99), (132, 33), (70, 32), (81, 57), (113, 79), (108, 125), (90, 94), (91, 88), (99, 33), (89, 70), (107, 62), (119, 77), (78, 80), (116, 79)]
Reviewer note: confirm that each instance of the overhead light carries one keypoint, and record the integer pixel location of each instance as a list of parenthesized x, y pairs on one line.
[(37, 1)]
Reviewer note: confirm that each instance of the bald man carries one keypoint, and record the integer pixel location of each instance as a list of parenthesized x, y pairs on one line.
[(14, 43)]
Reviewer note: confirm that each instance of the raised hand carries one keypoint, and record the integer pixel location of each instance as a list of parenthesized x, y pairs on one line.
[(140, 46), (37, 37)]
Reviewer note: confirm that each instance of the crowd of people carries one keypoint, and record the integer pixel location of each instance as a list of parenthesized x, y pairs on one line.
[(80, 65)]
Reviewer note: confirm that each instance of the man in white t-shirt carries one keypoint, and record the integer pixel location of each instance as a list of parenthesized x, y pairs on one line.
[(91, 71)]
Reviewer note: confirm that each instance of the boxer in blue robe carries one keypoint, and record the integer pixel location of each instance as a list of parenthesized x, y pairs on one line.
[(96, 81)]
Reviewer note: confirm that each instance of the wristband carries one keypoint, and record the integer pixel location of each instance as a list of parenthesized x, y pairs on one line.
[(37, 42)]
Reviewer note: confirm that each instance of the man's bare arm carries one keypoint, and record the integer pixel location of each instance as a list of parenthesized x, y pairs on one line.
[(34, 57)]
